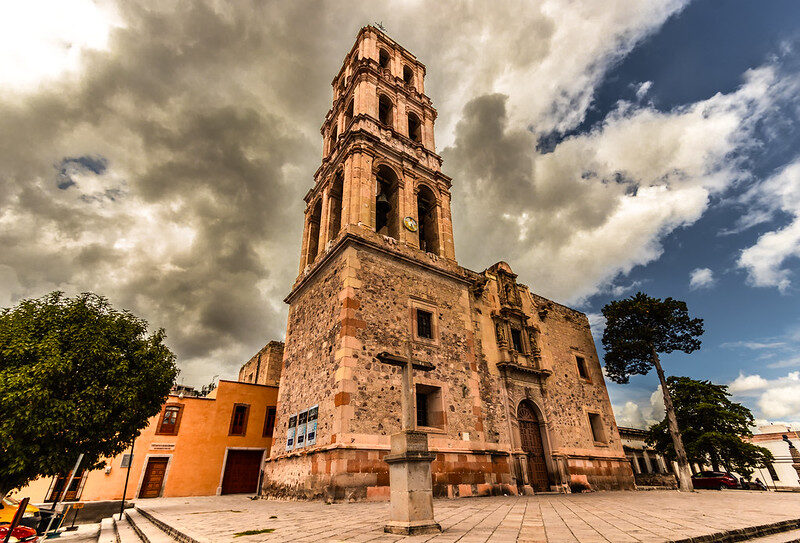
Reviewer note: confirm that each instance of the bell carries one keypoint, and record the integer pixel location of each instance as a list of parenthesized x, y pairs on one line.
[(382, 203)]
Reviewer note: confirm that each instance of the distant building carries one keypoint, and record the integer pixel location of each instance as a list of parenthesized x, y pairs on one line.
[(783, 443), (196, 446), (264, 368), (650, 469)]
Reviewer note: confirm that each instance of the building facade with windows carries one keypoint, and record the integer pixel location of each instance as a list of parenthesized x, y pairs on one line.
[(196, 446), (784, 444), (514, 399)]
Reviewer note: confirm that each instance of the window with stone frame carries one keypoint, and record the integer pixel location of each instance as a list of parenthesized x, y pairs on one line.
[(424, 324), (430, 408), (239, 419), (516, 339), (596, 424), (583, 370), (170, 420), (269, 422)]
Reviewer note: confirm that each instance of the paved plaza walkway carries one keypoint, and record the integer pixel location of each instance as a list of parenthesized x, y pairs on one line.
[(593, 517)]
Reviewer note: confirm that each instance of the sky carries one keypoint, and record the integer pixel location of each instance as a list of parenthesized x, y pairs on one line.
[(157, 153)]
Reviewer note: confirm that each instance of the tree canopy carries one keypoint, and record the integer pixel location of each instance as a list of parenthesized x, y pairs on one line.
[(712, 427), (76, 376), (639, 325)]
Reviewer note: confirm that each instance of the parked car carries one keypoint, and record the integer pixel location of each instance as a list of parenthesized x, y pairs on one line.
[(8, 508), (715, 479), (20, 534)]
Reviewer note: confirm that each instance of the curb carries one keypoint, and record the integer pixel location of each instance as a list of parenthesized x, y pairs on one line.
[(744, 534), (167, 529)]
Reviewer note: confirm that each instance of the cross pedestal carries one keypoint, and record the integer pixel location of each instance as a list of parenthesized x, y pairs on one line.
[(410, 482)]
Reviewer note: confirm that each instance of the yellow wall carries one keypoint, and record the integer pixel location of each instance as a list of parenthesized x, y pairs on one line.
[(197, 452)]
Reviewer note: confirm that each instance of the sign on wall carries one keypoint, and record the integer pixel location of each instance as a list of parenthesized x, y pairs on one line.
[(290, 434), (302, 421), (311, 429)]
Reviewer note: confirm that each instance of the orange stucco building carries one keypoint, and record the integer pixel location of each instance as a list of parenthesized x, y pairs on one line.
[(196, 446)]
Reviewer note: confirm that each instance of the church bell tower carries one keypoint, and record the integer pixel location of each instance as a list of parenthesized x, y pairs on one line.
[(380, 171)]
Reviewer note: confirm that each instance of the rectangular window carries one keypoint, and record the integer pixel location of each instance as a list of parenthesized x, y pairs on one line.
[(582, 371), (170, 420), (424, 324), (597, 428), (430, 410), (269, 422), (239, 419), (516, 339), (126, 461)]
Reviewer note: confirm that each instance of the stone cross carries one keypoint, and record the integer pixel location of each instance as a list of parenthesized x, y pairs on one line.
[(410, 483)]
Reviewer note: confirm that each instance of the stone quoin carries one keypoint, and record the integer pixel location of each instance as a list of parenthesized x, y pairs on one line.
[(516, 402)]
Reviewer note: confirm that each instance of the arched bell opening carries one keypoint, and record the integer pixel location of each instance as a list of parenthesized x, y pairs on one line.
[(313, 232), (533, 440), (414, 127), (348, 115), (387, 214), (408, 75), (383, 58), (335, 210), (428, 221), (385, 110)]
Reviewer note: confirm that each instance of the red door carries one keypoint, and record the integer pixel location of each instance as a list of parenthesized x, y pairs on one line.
[(241, 472), (533, 446), (153, 478)]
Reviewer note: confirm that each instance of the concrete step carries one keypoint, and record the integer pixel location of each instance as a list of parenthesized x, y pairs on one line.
[(148, 532), (125, 531), (107, 533)]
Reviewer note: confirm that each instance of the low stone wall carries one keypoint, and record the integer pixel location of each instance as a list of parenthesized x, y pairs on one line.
[(656, 480), (600, 473), (357, 474)]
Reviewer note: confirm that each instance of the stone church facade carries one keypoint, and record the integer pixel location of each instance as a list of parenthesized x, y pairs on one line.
[(515, 402)]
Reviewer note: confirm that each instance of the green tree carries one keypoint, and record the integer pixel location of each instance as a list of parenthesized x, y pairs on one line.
[(76, 376), (637, 330), (712, 427)]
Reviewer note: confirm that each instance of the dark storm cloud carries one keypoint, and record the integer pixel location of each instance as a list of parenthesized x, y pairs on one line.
[(184, 148)]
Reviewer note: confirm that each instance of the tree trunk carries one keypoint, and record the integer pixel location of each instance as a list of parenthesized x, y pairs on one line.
[(684, 473)]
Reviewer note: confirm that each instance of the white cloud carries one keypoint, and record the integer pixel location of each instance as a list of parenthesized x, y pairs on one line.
[(597, 322), (641, 415), (777, 398), (765, 261), (747, 384), (701, 278), (643, 89), (754, 345)]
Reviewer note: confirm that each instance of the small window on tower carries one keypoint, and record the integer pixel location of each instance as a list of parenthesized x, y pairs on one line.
[(583, 372), (424, 324), (430, 411), (596, 423), (348, 115), (516, 339)]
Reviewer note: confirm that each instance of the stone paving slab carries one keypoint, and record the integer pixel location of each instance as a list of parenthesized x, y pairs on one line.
[(601, 517)]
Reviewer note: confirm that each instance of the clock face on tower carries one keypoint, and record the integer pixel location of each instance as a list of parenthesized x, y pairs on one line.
[(410, 224)]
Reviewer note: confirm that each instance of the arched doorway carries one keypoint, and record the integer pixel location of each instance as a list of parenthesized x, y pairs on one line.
[(531, 437)]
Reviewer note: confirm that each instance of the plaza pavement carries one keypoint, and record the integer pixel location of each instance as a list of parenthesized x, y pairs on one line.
[(586, 518)]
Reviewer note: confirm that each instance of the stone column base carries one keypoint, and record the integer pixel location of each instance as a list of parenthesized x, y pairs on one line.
[(410, 528)]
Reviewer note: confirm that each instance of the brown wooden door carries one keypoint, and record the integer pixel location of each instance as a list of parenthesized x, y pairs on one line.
[(241, 472), (533, 446), (153, 477)]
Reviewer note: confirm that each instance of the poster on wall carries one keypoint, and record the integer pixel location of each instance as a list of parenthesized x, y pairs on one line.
[(311, 428), (290, 433), (302, 419)]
